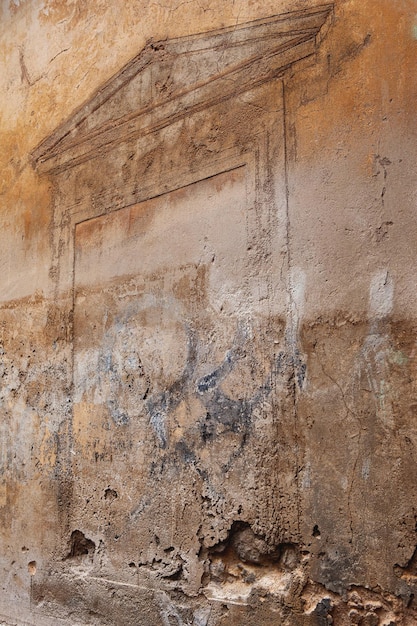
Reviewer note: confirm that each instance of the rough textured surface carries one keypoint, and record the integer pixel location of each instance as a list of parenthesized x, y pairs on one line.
[(208, 314)]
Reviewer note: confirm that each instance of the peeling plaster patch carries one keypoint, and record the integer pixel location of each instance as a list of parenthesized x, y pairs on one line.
[(298, 287), (168, 610), (158, 423), (297, 284), (381, 294), (201, 617), (15, 4), (143, 504), (306, 480), (398, 358), (366, 468), (294, 358)]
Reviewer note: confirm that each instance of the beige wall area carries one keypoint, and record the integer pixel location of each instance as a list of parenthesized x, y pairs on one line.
[(208, 312)]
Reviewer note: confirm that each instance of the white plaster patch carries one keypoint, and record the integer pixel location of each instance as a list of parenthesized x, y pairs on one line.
[(297, 288), (168, 609), (366, 468), (381, 294), (306, 479), (158, 423), (201, 616)]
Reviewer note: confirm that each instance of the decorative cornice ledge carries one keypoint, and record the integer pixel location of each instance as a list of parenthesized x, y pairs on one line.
[(171, 79)]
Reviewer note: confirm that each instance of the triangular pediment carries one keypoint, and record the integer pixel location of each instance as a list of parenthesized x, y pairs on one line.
[(173, 78)]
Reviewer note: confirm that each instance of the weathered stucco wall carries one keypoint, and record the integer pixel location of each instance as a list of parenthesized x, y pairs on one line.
[(208, 396)]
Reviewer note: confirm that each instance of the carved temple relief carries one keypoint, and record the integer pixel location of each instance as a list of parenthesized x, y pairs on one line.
[(170, 226)]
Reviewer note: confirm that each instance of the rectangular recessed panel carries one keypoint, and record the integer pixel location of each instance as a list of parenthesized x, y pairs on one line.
[(172, 374)]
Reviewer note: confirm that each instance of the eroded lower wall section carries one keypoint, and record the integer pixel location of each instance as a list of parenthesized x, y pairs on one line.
[(220, 542), (165, 512)]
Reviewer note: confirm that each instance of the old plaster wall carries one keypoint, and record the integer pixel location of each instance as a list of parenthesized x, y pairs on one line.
[(329, 528)]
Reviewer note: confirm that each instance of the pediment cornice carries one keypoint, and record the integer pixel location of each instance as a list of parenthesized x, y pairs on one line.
[(171, 79)]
